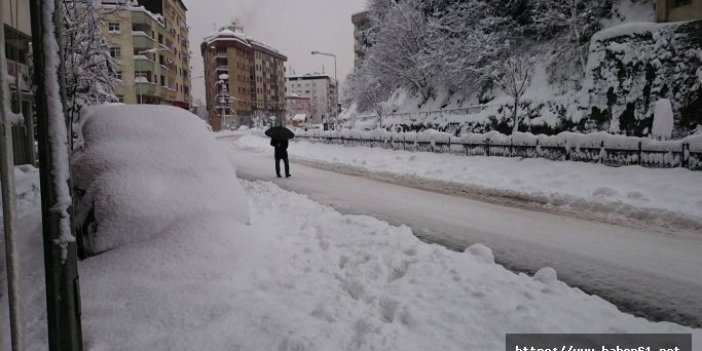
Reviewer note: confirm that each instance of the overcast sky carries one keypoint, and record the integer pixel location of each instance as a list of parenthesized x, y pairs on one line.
[(294, 27)]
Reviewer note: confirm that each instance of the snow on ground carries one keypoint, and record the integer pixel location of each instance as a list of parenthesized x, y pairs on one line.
[(665, 196), (26, 188), (304, 277)]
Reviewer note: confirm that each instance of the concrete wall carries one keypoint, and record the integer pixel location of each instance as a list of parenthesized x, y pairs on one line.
[(20, 10), (666, 11)]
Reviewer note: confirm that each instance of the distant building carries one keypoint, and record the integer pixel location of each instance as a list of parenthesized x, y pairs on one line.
[(678, 10), (243, 76), (361, 26), (321, 90), (150, 44), (18, 35), (297, 106)]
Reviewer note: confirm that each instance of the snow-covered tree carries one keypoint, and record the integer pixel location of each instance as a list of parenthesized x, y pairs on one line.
[(90, 70), (513, 77), (575, 21), (396, 55), (365, 89), (465, 43)]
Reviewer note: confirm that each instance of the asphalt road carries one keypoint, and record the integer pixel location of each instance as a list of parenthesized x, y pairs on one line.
[(650, 273)]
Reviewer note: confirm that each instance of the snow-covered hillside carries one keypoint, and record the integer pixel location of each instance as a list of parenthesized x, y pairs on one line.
[(574, 65)]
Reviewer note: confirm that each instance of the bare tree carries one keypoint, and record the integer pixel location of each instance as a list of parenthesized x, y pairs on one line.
[(396, 55), (465, 43), (91, 72), (513, 77), (577, 19)]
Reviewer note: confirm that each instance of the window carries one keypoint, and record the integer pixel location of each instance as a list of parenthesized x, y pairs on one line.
[(115, 52), (120, 98), (113, 27), (163, 81), (680, 3), (118, 75)]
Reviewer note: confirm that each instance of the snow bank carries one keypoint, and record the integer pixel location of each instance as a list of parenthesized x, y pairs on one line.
[(566, 139), (26, 189), (304, 277), (146, 168), (314, 279)]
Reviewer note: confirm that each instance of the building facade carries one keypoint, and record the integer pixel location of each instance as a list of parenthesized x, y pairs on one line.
[(322, 92), (678, 10), (150, 45), (243, 77), (17, 39), (296, 106), (361, 26)]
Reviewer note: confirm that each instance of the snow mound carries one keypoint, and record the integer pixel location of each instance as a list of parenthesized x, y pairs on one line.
[(663, 121), (482, 253), (143, 168), (546, 275)]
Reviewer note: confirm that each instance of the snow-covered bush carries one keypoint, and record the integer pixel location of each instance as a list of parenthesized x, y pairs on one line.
[(633, 66)]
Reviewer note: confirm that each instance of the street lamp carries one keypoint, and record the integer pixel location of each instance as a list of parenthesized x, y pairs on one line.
[(336, 83), (141, 53)]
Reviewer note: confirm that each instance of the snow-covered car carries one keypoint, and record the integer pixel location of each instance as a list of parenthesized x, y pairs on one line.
[(140, 169)]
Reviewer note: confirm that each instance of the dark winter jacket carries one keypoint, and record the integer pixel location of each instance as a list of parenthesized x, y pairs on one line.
[(281, 148)]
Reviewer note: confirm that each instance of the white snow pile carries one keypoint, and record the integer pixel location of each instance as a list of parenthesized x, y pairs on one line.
[(26, 189), (664, 196), (663, 121), (147, 170), (304, 277)]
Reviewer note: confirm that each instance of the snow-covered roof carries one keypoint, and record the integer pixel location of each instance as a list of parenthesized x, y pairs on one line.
[(300, 117), (227, 34)]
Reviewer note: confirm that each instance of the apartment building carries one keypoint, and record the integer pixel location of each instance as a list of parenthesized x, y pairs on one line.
[(18, 35), (243, 77), (361, 26), (150, 44), (297, 109), (322, 92)]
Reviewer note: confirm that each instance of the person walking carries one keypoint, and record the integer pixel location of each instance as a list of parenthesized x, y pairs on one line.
[(279, 140), (281, 153)]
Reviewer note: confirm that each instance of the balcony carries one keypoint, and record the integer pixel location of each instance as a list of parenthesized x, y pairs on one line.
[(16, 69), (142, 19), (143, 43), (142, 63), (147, 89)]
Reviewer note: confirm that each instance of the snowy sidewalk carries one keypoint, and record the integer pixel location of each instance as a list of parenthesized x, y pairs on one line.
[(666, 197), (304, 277)]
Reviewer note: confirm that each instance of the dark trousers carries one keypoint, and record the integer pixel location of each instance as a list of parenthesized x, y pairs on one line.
[(277, 165)]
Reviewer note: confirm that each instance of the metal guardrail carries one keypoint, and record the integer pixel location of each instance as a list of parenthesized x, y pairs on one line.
[(616, 157)]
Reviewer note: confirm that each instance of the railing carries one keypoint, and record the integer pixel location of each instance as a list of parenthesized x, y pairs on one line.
[(646, 154), (420, 117)]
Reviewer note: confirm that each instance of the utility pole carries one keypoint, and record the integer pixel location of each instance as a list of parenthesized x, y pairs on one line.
[(60, 260), (7, 172)]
